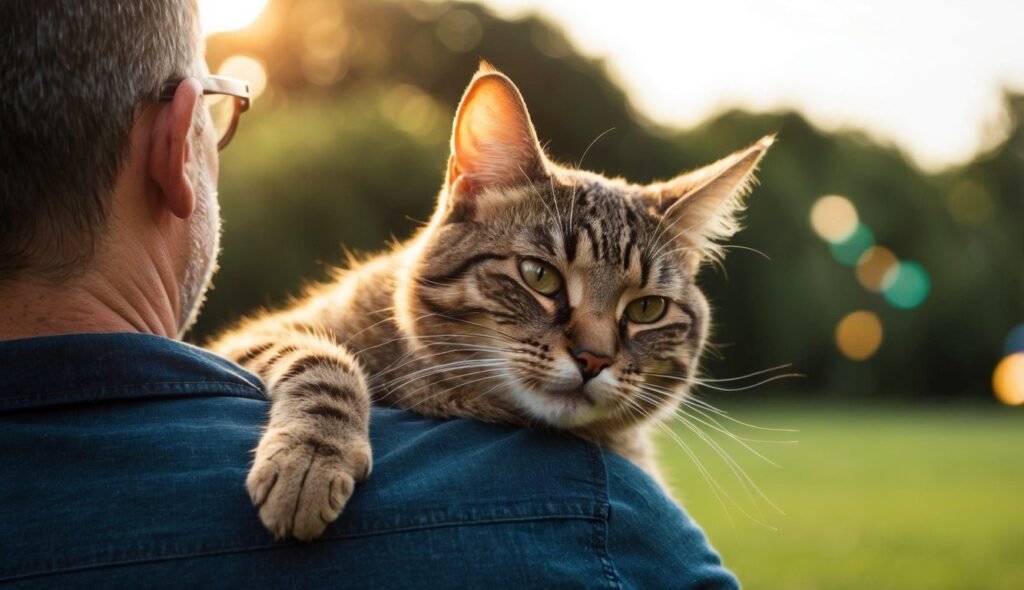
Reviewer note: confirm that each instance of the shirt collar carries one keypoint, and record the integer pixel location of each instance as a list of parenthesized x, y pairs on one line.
[(77, 368)]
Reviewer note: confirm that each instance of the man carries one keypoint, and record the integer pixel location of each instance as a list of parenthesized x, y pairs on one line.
[(125, 451)]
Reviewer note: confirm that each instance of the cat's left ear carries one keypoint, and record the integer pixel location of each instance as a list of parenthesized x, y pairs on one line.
[(494, 146), (701, 207)]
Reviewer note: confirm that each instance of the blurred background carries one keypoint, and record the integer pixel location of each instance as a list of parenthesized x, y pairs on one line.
[(882, 260)]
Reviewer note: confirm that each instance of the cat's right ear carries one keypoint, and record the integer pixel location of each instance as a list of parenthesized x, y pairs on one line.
[(494, 147)]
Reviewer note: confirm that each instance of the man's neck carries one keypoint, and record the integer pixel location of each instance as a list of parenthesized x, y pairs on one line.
[(92, 303)]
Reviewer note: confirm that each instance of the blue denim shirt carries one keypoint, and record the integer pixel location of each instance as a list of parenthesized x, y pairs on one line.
[(124, 459)]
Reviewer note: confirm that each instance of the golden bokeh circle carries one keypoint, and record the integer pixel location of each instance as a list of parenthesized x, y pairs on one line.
[(859, 335), (834, 218), (874, 268), (1008, 380)]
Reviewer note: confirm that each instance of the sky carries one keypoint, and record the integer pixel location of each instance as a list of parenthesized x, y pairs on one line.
[(926, 76)]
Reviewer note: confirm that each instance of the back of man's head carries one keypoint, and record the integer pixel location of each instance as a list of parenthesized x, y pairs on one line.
[(74, 74)]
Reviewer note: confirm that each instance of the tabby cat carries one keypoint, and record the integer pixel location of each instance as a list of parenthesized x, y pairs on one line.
[(536, 294)]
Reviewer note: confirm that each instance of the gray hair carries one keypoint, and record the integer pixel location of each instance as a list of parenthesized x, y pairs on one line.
[(74, 74)]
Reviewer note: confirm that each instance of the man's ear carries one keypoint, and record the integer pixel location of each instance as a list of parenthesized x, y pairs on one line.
[(170, 148), (493, 144), (701, 207)]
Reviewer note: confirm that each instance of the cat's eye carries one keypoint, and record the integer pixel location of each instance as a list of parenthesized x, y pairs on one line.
[(540, 276), (646, 310)]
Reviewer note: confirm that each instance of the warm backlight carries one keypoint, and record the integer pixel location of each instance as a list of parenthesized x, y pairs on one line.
[(246, 68), (228, 15), (1008, 380)]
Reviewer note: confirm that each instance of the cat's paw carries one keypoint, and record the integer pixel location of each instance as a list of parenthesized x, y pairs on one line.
[(301, 483)]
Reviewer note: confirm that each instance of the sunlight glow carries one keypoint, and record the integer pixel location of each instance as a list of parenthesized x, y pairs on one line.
[(858, 335), (927, 75), (246, 68), (1008, 380), (228, 15)]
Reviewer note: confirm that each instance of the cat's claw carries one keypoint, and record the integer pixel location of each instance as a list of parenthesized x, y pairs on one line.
[(301, 485)]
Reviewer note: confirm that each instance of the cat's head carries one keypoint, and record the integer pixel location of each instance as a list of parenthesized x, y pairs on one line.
[(571, 295)]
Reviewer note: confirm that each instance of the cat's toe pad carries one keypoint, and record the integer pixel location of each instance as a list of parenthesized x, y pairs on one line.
[(301, 484)]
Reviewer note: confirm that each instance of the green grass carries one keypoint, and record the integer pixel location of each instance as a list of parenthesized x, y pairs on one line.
[(896, 497)]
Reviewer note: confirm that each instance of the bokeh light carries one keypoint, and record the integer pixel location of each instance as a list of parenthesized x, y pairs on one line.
[(410, 109), (873, 268), (246, 68), (849, 251), (858, 335), (834, 218), (228, 15), (326, 39), (1008, 380), (459, 30), (969, 203), (906, 285), (1014, 340)]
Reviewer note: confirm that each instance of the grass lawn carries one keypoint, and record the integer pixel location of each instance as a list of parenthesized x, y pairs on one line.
[(874, 497)]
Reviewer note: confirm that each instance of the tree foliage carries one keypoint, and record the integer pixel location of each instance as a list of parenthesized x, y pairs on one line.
[(348, 146)]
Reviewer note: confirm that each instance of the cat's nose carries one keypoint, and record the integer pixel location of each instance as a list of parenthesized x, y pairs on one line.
[(590, 364)]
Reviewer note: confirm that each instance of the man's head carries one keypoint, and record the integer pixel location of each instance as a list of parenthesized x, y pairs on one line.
[(93, 167)]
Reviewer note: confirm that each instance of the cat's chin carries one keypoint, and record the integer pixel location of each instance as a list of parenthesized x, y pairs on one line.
[(564, 408)]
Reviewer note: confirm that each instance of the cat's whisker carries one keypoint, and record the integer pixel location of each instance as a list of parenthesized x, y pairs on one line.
[(375, 324), (440, 369), (701, 383), (715, 425), (739, 247), (540, 197), (708, 415), (664, 229), (420, 358), (713, 484), (748, 375), (699, 403), (441, 393), (490, 371), (429, 343), (749, 486), (695, 402), (579, 166), (430, 371), (771, 379), (412, 352)]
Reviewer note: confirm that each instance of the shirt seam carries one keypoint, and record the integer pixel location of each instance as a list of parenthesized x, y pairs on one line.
[(253, 545), (139, 390), (600, 532)]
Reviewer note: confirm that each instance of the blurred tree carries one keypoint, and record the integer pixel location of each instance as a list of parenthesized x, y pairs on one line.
[(348, 144)]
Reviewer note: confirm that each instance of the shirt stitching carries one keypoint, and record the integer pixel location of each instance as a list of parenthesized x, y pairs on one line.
[(140, 389), (599, 477), (249, 544)]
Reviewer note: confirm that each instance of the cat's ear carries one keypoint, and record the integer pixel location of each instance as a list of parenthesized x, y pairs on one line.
[(701, 207), (494, 145)]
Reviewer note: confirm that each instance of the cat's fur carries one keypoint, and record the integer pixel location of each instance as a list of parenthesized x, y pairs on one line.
[(446, 325)]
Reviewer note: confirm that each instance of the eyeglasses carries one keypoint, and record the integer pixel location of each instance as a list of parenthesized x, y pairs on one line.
[(226, 98)]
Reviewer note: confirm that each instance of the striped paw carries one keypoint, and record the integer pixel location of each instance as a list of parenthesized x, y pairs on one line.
[(301, 482)]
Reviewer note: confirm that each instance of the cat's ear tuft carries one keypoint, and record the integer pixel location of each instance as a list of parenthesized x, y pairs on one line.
[(702, 206), (493, 143)]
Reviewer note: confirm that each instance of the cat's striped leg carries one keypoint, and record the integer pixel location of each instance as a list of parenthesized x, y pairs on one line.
[(316, 446)]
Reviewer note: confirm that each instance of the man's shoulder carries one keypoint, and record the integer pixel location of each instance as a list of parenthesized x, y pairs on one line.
[(143, 477)]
